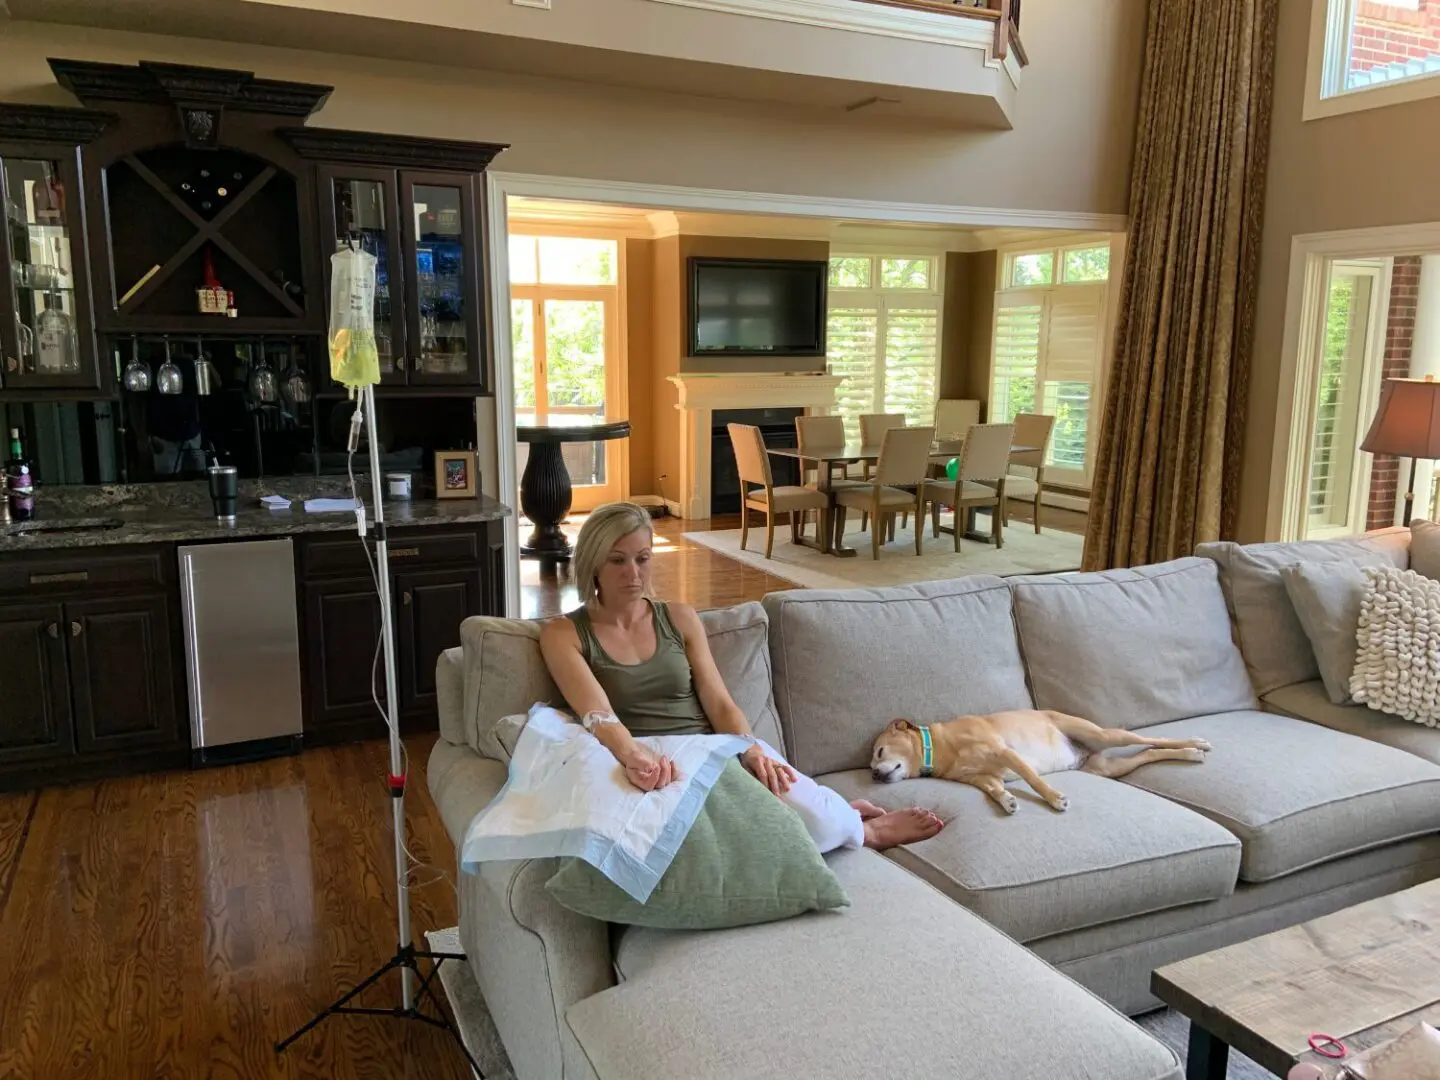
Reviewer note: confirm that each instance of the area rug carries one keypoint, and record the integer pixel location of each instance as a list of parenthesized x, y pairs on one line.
[(483, 1041), (1024, 553), (467, 1007)]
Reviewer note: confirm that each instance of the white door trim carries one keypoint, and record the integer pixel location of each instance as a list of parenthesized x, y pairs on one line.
[(1309, 253), (500, 186)]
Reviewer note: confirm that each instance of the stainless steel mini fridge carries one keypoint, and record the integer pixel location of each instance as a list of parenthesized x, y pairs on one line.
[(242, 648)]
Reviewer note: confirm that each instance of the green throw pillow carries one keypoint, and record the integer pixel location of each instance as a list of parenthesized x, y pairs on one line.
[(747, 859)]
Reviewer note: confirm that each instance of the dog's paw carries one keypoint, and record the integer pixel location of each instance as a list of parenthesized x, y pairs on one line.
[(1193, 754), (1060, 803), (1009, 803), (1199, 744)]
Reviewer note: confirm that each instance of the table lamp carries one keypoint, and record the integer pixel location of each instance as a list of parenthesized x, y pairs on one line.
[(1407, 424)]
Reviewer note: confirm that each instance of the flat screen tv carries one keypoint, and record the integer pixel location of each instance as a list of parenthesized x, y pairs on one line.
[(757, 307)]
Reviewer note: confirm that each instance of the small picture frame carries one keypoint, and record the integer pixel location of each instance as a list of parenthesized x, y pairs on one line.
[(455, 475)]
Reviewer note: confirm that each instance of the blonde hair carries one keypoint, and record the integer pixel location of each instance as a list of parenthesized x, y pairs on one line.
[(603, 529)]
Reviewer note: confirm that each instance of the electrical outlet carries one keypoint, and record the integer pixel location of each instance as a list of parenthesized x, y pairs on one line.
[(543, 4)]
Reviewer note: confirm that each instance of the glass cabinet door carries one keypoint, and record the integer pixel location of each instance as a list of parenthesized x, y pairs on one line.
[(443, 302), (47, 339), (361, 207)]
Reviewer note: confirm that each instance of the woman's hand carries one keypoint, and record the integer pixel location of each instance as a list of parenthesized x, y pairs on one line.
[(775, 775), (648, 771)]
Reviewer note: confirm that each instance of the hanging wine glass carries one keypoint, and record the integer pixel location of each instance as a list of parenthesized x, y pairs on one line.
[(264, 387), (297, 385), (137, 374), (169, 380)]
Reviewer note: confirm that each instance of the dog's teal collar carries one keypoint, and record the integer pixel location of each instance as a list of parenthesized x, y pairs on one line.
[(927, 761)]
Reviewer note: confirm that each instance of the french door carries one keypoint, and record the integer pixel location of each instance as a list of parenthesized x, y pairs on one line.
[(565, 340), (1346, 389)]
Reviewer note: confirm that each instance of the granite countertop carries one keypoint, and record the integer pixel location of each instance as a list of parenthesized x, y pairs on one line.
[(165, 513)]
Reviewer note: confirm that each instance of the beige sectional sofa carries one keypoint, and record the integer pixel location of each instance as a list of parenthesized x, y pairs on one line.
[(952, 959)]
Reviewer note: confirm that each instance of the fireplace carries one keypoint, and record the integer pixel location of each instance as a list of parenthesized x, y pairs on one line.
[(777, 427), (701, 395)]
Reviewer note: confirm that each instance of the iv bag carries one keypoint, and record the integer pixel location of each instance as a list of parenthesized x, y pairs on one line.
[(354, 361)]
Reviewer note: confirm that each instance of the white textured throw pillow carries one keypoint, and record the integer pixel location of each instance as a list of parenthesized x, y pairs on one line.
[(1397, 663)]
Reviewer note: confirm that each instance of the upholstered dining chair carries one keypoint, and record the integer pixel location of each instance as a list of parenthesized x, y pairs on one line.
[(753, 464), (1031, 429), (823, 431), (872, 433), (980, 480), (955, 416), (904, 457)]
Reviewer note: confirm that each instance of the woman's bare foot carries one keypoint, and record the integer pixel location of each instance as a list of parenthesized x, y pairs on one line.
[(901, 827), (867, 809)]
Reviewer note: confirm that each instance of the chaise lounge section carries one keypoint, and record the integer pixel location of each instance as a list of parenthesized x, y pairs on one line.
[(957, 949)]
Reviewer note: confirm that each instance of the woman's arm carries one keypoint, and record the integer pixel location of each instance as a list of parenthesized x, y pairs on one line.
[(720, 709), (560, 646)]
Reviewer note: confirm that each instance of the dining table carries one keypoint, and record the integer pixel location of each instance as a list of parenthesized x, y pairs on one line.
[(825, 458)]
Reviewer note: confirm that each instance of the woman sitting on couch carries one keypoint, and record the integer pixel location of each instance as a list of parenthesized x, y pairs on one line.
[(630, 665)]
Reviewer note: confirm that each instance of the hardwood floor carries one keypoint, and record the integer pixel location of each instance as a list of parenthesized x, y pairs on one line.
[(176, 925)]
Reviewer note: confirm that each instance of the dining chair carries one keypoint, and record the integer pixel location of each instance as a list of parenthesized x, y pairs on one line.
[(872, 433), (823, 431), (753, 464), (904, 456), (980, 480), (955, 416), (1031, 429)]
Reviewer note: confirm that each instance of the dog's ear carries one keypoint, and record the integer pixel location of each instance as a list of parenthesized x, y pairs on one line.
[(900, 725)]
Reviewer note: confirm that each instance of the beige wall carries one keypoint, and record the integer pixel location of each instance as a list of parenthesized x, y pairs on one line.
[(665, 361), (1070, 150), (1359, 170), (968, 323), (639, 361)]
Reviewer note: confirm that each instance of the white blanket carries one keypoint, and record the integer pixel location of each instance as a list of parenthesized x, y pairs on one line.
[(567, 796)]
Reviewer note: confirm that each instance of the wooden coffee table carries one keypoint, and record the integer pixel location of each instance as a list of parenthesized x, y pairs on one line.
[(1363, 975)]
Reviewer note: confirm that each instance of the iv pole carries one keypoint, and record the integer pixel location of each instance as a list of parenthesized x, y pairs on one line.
[(414, 987)]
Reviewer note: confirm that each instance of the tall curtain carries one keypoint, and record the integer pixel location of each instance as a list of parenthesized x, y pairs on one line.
[(1168, 460)]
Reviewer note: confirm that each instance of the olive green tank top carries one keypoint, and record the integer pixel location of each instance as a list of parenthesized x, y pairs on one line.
[(656, 696)]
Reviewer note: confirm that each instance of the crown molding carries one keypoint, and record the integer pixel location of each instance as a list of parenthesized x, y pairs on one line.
[(185, 85), (372, 148), (52, 124), (976, 32)]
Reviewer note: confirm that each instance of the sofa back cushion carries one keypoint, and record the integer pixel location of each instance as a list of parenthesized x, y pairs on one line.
[(849, 661), (1128, 648), (505, 673), (1277, 652)]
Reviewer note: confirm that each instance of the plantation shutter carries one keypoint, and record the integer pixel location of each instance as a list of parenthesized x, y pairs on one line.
[(852, 349), (1018, 319), (912, 359), (1071, 356)]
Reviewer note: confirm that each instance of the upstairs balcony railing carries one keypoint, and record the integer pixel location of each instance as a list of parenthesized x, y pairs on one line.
[(1005, 14)]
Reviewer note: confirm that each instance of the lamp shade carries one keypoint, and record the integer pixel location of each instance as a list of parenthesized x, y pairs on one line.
[(1407, 421)]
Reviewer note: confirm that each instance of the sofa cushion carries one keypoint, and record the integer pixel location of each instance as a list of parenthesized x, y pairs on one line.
[(903, 985), (1296, 793), (1117, 852), (505, 673), (1277, 652), (1326, 598), (1425, 548), (1128, 648), (848, 661), (1308, 701)]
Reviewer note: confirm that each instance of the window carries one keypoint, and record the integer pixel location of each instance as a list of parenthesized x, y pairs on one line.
[(883, 335), (1372, 52), (1048, 348)]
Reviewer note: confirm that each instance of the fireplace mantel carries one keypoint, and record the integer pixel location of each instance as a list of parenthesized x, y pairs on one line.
[(702, 394)]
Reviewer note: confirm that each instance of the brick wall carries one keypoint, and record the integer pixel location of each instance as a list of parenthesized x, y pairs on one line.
[(1385, 32), (1385, 477)]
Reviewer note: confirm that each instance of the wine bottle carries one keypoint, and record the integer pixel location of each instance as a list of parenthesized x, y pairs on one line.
[(21, 482)]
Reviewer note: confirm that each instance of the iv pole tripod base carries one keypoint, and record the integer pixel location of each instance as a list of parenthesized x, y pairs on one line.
[(406, 957)]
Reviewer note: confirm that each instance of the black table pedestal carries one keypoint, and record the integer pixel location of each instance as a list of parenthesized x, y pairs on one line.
[(545, 497)]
